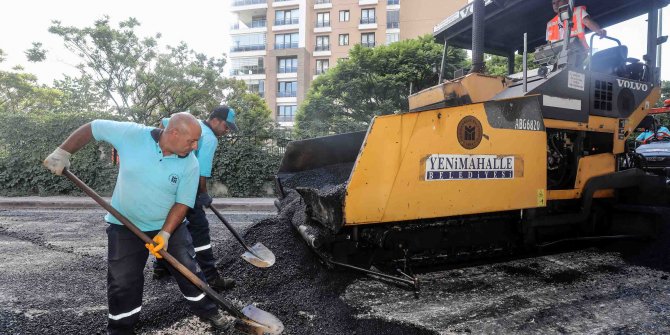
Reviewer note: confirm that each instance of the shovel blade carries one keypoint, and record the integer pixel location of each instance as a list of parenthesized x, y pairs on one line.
[(260, 256), (259, 322)]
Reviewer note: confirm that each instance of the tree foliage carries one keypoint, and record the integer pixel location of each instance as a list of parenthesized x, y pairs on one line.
[(372, 81), (142, 83), (497, 65), (20, 93)]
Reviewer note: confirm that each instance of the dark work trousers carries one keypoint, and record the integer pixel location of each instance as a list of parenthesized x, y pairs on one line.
[(126, 258), (198, 226)]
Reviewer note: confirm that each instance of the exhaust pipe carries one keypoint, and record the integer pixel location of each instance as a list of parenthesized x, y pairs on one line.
[(478, 26)]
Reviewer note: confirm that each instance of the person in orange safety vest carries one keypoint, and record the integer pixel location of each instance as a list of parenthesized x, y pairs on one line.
[(580, 19)]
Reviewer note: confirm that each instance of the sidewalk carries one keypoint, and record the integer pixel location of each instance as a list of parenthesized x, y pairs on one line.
[(224, 204)]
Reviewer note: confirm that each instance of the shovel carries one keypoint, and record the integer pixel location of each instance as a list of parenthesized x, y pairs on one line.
[(258, 255), (250, 320)]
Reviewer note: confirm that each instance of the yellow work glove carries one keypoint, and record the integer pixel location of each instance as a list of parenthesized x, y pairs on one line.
[(161, 240)]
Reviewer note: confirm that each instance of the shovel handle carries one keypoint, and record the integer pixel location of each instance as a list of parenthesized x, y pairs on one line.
[(171, 260), (232, 230)]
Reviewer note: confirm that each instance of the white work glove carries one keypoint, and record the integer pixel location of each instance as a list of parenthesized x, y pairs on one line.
[(161, 240), (57, 161)]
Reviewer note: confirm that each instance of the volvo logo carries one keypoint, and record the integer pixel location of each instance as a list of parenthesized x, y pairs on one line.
[(632, 85)]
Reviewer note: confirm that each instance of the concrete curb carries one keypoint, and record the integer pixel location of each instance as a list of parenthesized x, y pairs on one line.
[(224, 204)]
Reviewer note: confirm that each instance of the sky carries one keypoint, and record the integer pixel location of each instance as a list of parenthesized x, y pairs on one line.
[(203, 25)]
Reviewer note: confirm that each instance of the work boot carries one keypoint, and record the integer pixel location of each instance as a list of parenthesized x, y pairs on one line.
[(160, 272), (221, 283), (221, 321)]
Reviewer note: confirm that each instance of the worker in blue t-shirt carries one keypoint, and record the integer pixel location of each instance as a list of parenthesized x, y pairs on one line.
[(220, 121), (649, 134), (156, 186)]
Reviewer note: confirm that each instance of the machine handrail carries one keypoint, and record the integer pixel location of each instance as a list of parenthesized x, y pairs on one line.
[(591, 48)]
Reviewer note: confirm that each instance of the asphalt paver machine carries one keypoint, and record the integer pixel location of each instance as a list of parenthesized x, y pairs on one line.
[(484, 165)]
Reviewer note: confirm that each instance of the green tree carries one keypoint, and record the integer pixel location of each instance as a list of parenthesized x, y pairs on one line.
[(21, 93), (142, 84), (497, 65), (36, 53), (80, 94), (665, 93), (372, 81)]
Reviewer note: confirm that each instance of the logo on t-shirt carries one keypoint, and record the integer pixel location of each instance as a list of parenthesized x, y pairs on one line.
[(174, 179)]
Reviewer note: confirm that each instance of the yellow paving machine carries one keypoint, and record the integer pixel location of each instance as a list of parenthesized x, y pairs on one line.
[(484, 165)]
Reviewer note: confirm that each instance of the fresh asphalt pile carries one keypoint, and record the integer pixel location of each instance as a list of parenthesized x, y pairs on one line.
[(298, 289)]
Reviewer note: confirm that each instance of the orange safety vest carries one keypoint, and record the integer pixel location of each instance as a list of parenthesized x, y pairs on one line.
[(554, 31)]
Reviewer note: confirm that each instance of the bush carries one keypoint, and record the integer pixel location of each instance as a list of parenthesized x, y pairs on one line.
[(27, 139), (244, 165)]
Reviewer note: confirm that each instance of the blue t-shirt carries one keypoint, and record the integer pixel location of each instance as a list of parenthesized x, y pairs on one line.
[(662, 131), (148, 184), (206, 147)]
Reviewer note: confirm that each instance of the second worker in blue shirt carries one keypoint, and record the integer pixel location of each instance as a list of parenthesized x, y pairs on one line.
[(220, 121)]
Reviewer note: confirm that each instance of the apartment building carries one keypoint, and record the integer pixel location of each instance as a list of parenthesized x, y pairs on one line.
[(280, 46)]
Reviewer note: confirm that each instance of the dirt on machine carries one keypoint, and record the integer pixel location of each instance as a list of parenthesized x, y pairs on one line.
[(484, 165)]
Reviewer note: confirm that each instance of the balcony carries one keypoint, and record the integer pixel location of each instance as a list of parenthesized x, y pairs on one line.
[(392, 25), (291, 45), (322, 47), (249, 47), (247, 71), (238, 3), (368, 23), (322, 24), (255, 26), (287, 94), (367, 2), (285, 3), (241, 5), (323, 4), (321, 71), (368, 44), (285, 118), (284, 22)]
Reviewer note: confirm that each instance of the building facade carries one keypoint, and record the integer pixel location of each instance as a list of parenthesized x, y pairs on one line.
[(280, 46)]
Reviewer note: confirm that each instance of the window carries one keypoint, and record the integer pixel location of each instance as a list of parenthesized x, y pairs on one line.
[(246, 66), (322, 65), (393, 19), (287, 89), (287, 65), (392, 38), (344, 16), (286, 113), (344, 39), (368, 39), (248, 42), (256, 86), (323, 19), (286, 41), (284, 17), (368, 16), (392, 2), (322, 43)]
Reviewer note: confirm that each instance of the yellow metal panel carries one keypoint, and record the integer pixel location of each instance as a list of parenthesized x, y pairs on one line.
[(640, 113), (576, 194), (482, 88), (474, 87), (388, 181), (593, 166)]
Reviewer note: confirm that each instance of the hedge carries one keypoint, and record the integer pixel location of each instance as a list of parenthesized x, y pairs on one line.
[(243, 166)]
